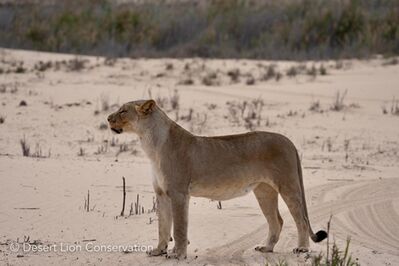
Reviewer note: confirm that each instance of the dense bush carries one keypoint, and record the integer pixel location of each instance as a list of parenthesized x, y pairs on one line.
[(220, 28)]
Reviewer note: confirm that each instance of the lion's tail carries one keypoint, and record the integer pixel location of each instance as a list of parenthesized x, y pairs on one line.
[(320, 235)]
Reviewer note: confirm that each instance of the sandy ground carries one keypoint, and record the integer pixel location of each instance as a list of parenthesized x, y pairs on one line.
[(350, 158)]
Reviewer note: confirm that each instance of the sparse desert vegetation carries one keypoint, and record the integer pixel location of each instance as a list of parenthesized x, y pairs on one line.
[(217, 67), (348, 149), (393, 109), (338, 103)]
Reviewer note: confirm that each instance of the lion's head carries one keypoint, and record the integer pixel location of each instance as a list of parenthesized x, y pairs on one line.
[(131, 116)]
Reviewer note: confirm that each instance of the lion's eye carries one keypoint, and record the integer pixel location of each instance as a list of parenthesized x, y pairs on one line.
[(122, 111)]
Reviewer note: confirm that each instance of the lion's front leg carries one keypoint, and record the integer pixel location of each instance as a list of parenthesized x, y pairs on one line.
[(180, 203), (164, 212)]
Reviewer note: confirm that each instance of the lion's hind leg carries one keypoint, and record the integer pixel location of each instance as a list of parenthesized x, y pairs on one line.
[(268, 201), (296, 208)]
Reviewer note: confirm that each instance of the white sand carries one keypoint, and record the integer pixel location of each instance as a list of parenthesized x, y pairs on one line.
[(361, 192)]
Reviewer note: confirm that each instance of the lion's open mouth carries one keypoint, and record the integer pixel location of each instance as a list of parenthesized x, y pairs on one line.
[(117, 130)]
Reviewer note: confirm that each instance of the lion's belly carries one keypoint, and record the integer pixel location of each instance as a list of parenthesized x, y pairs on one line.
[(220, 192), (222, 183)]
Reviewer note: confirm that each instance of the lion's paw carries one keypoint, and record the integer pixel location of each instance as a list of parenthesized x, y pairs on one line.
[(176, 255), (156, 252)]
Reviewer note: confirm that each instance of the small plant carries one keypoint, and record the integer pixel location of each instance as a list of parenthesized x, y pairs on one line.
[(76, 64), (170, 103), (110, 61), (322, 70), (198, 123), (25, 147), (211, 106), (327, 143), (315, 107), (278, 76), (292, 71), (271, 73), (23, 103), (103, 126), (174, 100), (87, 203), (3, 88), (394, 107), (234, 75), (2, 119), (138, 209), (246, 113), (102, 149), (42, 66), (338, 103), (250, 80), (189, 116), (187, 81), (336, 257), (113, 142), (346, 148), (169, 66), (339, 64), (211, 79), (312, 72), (248, 124), (20, 68), (38, 152), (123, 147), (81, 152), (104, 103), (161, 101), (14, 88), (384, 110), (292, 113)]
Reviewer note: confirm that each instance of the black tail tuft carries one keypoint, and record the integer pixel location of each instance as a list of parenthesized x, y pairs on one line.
[(319, 236)]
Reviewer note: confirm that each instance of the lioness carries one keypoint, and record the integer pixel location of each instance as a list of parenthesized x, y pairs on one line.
[(218, 168)]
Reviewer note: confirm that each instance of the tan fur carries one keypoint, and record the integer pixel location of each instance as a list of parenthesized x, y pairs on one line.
[(218, 168)]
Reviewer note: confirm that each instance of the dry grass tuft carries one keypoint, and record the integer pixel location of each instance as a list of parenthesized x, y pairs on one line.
[(292, 72), (315, 107), (211, 79), (26, 151), (234, 75), (250, 80), (81, 152), (102, 149), (246, 113), (338, 104), (76, 64), (25, 147), (103, 126)]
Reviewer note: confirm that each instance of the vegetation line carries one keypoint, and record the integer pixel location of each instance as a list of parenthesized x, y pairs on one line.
[(304, 29)]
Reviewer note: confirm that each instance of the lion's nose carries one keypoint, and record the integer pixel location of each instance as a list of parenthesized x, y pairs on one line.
[(109, 118)]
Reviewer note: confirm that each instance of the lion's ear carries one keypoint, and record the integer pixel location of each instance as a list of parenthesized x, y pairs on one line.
[(146, 108)]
